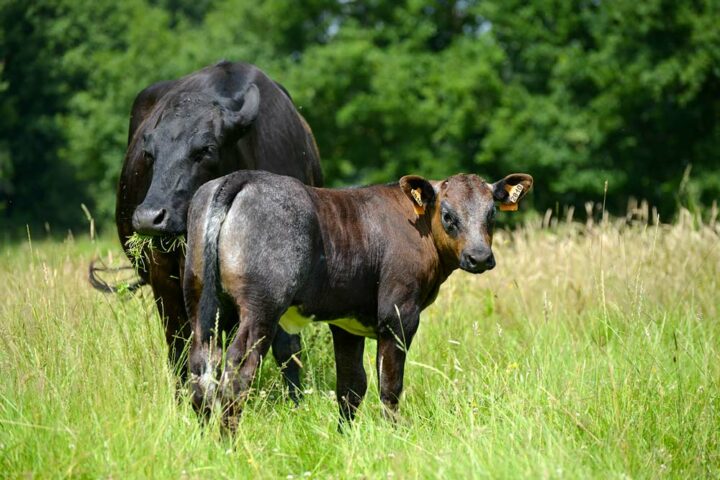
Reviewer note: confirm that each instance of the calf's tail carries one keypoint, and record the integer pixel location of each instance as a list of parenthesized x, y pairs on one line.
[(211, 298)]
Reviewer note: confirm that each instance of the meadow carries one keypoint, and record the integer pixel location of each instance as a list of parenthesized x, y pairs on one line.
[(590, 351)]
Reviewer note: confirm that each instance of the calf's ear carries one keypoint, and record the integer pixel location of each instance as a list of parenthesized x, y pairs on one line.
[(419, 191), (244, 107), (511, 189)]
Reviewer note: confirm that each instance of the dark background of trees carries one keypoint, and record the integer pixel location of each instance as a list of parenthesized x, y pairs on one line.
[(574, 92)]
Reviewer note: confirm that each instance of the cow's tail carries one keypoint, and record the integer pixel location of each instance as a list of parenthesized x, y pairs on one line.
[(100, 284), (212, 298)]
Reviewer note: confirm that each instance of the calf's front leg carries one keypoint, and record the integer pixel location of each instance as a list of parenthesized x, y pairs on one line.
[(394, 338), (351, 378), (286, 350), (390, 371)]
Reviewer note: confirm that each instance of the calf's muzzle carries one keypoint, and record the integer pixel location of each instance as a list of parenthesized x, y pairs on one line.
[(477, 260)]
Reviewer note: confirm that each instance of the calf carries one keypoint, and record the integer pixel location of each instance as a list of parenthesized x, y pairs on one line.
[(260, 244)]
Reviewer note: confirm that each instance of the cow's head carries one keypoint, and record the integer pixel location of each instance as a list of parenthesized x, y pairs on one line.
[(461, 212), (188, 146)]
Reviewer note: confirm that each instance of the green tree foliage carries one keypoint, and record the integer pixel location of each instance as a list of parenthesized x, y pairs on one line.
[(575, 93), (625, 91), (33, 180)]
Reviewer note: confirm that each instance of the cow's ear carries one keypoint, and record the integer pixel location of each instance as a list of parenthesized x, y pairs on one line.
[(511, 189), (419, 191), (246, 105)]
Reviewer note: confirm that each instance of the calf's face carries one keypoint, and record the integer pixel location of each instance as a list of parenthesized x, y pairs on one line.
[(461, 211)]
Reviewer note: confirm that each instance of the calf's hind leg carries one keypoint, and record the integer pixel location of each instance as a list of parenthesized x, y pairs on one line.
[(249, 346), (205, 344)]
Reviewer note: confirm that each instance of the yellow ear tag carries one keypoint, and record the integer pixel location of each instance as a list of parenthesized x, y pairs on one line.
[(419, 208), (515, 193), (513, 196)]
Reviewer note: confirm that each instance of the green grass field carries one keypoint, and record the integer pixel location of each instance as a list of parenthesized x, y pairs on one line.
[(588, 352)]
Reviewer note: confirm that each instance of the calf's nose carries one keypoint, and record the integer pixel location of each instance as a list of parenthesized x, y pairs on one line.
[(478, 260), (150, 221)]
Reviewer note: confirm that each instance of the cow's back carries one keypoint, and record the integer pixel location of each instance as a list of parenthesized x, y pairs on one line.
[(285, 148)]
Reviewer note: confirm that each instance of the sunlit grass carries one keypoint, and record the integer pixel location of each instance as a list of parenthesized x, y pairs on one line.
[(589, 351)]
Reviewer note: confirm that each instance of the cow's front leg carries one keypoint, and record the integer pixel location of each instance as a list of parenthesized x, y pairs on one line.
[(165, 279), (395, 335), (351, 378)]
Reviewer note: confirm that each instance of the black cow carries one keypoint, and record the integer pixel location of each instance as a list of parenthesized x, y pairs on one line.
[(223, 118), (260, 244)]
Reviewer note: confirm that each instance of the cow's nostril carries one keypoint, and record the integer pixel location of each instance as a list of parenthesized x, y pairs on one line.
[(159, 217), (152, 221)]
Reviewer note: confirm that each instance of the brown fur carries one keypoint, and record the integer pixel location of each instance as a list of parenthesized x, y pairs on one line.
[(268, 242)]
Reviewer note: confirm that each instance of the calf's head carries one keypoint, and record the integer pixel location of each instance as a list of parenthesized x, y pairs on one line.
[(461, 212), (189, 145)]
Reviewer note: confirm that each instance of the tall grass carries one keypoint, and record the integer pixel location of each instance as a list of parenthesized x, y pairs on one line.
[(590, 351)]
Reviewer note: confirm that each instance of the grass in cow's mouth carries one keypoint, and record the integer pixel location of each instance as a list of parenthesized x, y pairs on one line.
[(139, 243), (136, 245), (171, 244)]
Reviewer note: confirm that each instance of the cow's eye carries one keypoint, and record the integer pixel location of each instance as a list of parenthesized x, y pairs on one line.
[(203, 153), (148, 157)]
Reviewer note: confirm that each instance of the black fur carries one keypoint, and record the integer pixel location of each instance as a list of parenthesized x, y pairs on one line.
[(186, 132)]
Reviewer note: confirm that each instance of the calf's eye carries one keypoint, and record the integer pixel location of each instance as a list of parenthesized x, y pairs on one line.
[(449, 222)]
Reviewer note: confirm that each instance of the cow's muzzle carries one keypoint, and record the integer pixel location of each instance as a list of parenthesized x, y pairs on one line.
[(154, 221)]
